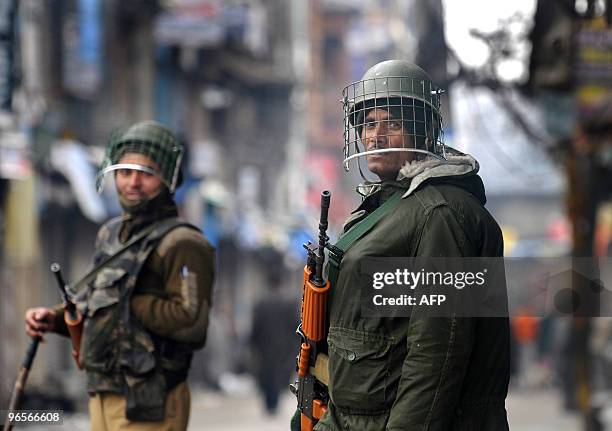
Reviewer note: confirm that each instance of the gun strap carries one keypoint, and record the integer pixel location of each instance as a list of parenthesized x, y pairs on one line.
[(356, 232), (91, 275)]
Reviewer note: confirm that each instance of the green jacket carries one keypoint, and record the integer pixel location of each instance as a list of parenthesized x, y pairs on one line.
[(418, 373)]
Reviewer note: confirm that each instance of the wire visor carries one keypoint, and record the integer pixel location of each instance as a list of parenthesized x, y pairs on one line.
[(411, 111), (132, 166), (151, 140)]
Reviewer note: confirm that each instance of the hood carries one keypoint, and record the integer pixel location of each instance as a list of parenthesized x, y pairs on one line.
[(458, 169)]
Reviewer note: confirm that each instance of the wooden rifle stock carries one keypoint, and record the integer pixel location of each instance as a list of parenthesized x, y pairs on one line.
[(20, 383)]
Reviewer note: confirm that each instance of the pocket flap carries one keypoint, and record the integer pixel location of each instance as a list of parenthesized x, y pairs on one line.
[(101, 298), (108, 276), (104, 293), (353, 345)]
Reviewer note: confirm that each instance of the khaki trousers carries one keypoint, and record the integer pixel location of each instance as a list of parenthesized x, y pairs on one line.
[(107, 412)]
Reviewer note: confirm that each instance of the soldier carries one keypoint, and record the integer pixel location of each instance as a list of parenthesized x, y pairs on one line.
[(418, 372), (147, 311)]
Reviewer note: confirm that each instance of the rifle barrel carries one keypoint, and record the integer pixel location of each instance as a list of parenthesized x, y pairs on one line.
[(323, 238), (56, 269)]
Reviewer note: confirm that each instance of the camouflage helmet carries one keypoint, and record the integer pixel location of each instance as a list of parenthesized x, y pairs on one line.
[(150, 139), (406, 90)]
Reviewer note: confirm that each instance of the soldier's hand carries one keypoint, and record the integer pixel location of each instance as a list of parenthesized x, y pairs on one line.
[(39, 320)]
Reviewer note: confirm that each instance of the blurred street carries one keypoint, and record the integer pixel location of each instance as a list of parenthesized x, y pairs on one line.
[(537, 410), (528, 411), (251, 91)]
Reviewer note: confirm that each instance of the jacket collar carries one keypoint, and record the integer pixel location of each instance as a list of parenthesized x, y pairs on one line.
[(456, 164)]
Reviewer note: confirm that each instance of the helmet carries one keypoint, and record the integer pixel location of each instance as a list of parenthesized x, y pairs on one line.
[(403, 89), (150, 139)]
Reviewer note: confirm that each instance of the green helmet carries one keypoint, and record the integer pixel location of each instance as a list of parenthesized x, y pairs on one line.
[(150, 139), (407, 92)]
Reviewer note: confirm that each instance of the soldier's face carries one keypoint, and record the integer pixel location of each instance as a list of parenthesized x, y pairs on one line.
[(381, 131), (135, 186)]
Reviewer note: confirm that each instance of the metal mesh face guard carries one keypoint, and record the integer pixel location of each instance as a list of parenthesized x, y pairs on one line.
[(412, 109), (151, 140)]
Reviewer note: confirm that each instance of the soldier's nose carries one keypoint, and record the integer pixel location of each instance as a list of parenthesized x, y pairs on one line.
[(377, 142), (135, 178)]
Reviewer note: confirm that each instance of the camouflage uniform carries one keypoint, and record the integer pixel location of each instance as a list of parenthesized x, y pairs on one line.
[(146, 311), (144, 315)]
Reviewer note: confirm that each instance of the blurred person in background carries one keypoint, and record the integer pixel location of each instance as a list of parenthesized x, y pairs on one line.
[(275, 317), (421, 372), (147, 311), (525, 330)]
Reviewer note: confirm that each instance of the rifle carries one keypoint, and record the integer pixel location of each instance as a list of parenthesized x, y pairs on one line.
[(72, 317), (21, 381), (73, 320), (311, 386)]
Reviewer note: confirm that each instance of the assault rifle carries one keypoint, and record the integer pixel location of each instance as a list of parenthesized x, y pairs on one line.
[(74, 321), (72, 317), (311, 386)]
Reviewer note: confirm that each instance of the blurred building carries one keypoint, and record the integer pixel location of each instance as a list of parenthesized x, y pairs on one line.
[(221, 74), (347, 38), (253, 89)]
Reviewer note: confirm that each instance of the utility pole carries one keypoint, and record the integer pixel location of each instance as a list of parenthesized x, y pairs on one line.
[(578, 46), (425, 20), (569, 73), (7, 44)]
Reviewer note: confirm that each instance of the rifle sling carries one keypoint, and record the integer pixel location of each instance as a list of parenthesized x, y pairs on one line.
[(346, 241), (91, 275)]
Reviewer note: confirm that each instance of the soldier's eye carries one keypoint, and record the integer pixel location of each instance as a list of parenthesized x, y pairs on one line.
[(394, 125)]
